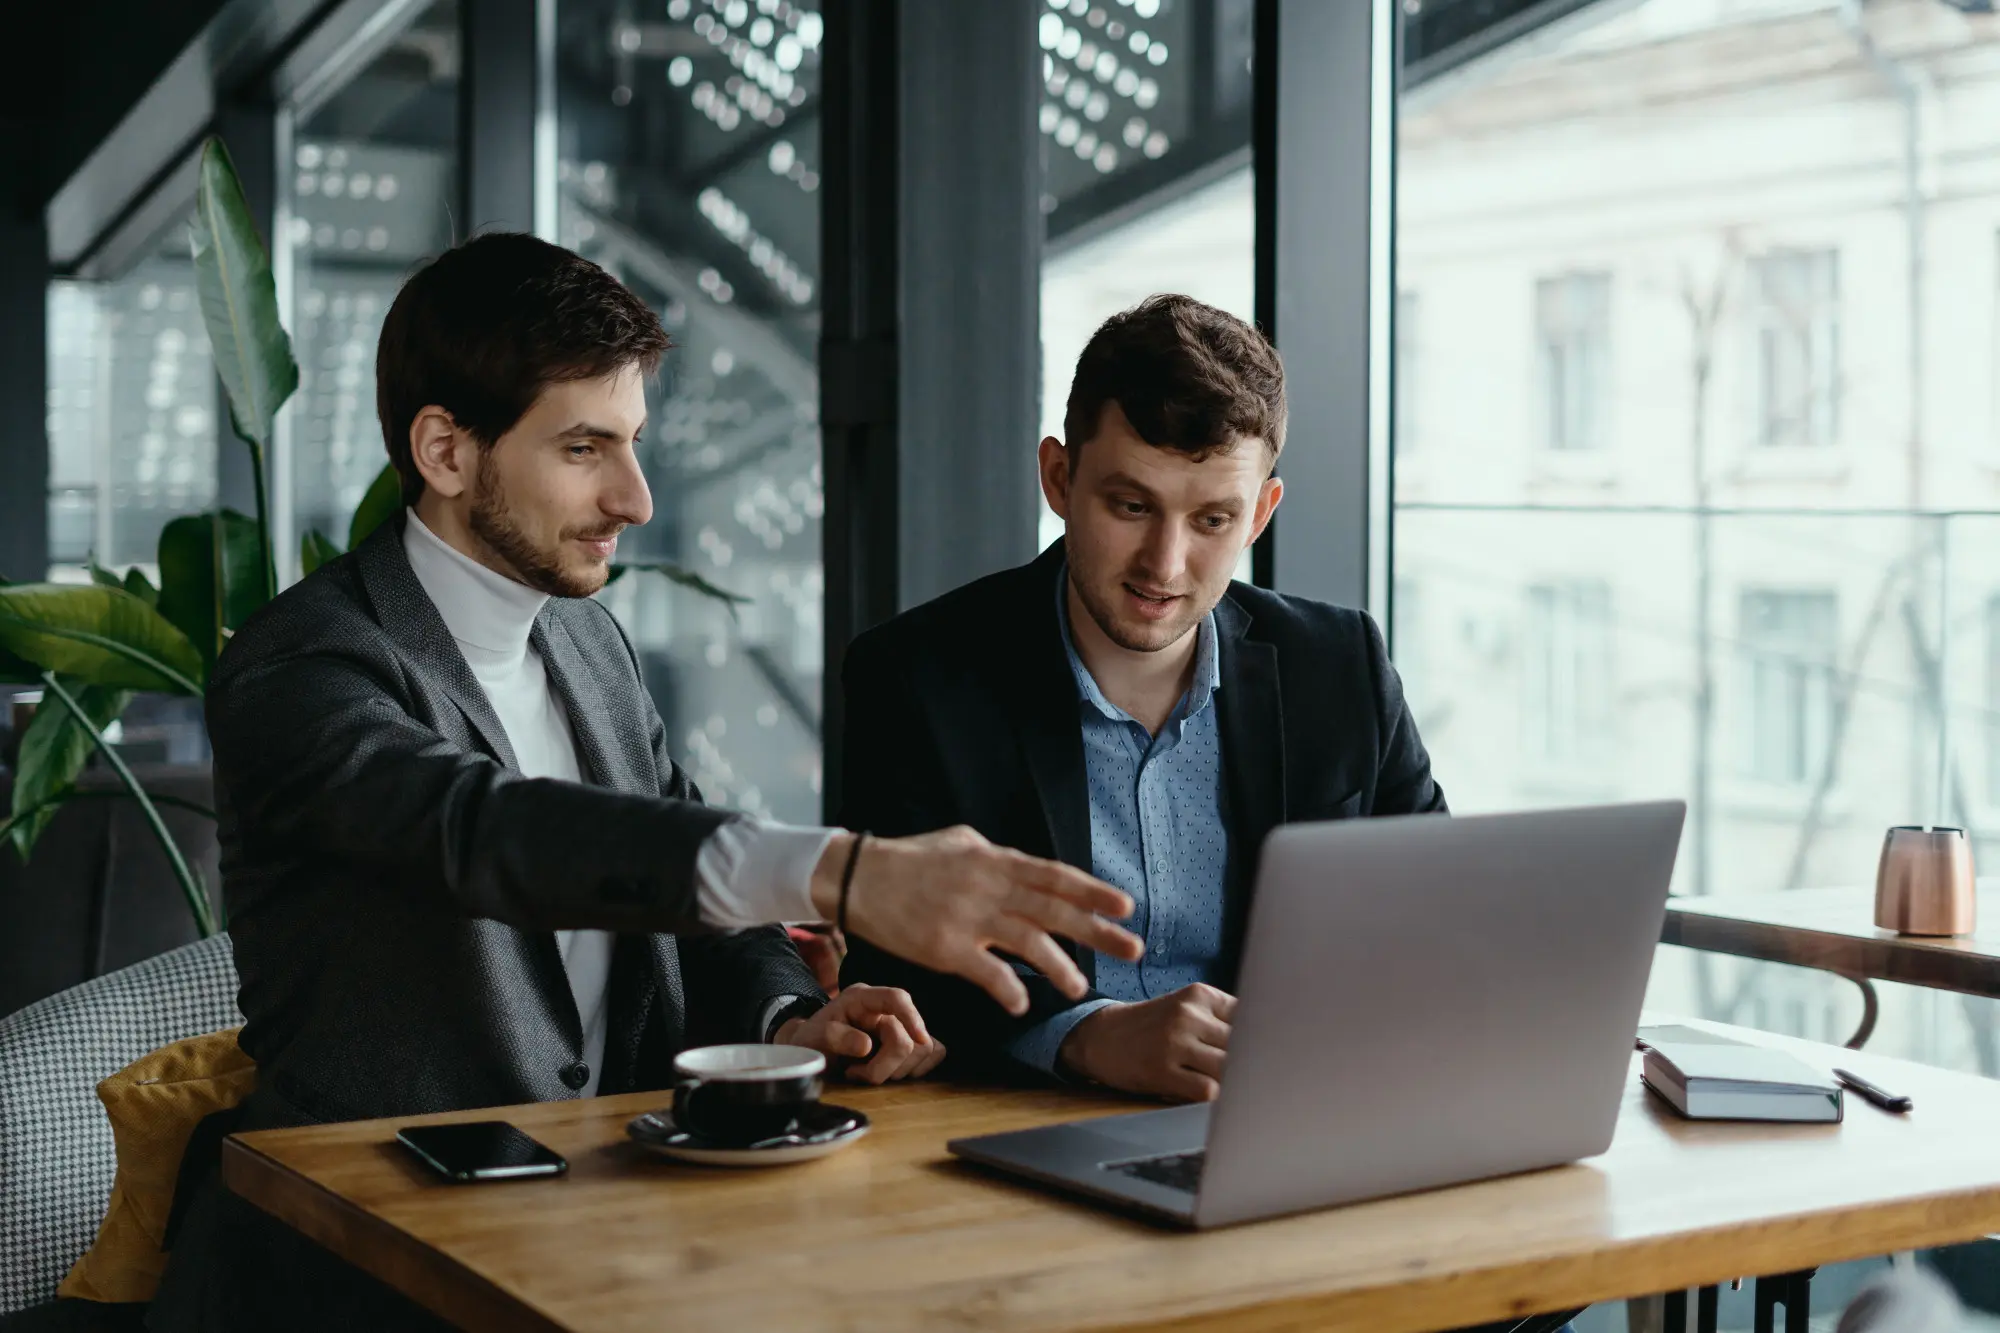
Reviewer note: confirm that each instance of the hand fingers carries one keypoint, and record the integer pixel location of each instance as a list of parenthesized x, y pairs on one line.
[(863, 1002), (1222, 1004), (1043, 954), (1208, 1030), (1187, 1086), (1071, 885), (928, 1060), (1199, 1057), (893, 1049), (987, 972), (1058, 917), (839, 1038)]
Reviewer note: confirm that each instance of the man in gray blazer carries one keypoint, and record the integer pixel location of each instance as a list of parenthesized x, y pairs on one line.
[(461, 867)]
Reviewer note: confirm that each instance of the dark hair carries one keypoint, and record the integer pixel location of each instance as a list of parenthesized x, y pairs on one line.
[(1186, 375), (486, 326)]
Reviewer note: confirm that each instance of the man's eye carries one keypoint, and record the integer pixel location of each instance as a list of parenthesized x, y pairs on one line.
[(1215, 522), (581, 450), (1132, 507)]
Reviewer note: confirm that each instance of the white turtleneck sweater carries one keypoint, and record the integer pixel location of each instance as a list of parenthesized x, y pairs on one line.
[(748, 873)]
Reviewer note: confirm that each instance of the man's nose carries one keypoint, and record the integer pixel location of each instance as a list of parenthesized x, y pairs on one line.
[(1163, 556), (628, 498)]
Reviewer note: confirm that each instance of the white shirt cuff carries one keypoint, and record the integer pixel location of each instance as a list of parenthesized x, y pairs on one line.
[(754, 872), (777, 1005)]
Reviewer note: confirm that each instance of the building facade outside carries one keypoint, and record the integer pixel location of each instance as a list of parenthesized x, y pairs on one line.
[(1698, 481)]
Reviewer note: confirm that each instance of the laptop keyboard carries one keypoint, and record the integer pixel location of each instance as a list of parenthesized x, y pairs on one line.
[(1177, 1171)]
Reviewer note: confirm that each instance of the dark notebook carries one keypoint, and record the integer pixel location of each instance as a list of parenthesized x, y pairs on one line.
[(1705, 1077)]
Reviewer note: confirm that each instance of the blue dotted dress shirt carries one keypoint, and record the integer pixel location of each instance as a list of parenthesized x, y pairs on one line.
[(1156, 831)]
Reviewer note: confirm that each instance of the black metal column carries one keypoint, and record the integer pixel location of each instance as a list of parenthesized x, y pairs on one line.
[(858, 340), (1320, 84), (971, 238), (24, 374), (496, 123), (930, 352)]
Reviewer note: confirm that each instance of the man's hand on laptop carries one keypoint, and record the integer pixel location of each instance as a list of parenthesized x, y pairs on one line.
[(1169, 1047), (947, 899)]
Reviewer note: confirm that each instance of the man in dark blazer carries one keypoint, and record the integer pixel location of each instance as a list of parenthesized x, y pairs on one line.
[(1120, 704), (461, 867)]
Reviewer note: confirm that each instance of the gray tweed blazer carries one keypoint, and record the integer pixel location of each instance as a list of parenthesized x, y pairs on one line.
[(394, 883)]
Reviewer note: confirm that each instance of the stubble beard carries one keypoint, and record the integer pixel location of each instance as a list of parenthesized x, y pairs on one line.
[(1143, 639), (493, 523)]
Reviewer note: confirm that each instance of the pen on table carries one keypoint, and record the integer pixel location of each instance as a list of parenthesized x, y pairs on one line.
[(1882, 1097)]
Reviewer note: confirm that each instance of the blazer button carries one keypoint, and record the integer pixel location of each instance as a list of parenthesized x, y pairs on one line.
[(575, 1076)]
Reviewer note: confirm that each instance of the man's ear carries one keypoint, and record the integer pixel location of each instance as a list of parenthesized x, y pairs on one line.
[(1268, 498), (435, 441), (1052, 461)]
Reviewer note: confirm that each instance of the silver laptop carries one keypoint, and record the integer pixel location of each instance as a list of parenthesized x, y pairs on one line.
[(1423, 1001)]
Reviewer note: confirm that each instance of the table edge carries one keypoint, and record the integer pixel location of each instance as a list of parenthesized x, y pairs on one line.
[(469, 1299), (1693, 1259), (1607, 1272), (1875, 959)]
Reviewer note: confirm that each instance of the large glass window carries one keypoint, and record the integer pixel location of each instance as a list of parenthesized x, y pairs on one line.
[(1788, 643), (131, 410), (1145, 121), (1573, 346), (690, 167), (368, 194), (1797, 296), (1991, 729), (1741, 233), (1567, 671)]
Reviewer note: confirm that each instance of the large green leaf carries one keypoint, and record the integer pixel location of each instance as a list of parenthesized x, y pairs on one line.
[(134, 582), (54, 749), (192, 549), (378, 506), (140, 587), (239, 300), (315, 549), (102, 636), (684, 576)]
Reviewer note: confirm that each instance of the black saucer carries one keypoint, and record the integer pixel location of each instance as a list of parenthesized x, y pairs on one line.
[(819, 1129)]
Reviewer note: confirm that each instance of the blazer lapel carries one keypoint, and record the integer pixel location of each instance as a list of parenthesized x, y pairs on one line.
[(411, 618), (1251, 713), (591, 714), (1048, 723), (1051, 733), (645, 968)]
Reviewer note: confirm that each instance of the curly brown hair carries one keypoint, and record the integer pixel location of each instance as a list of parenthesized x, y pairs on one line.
[(486, 326), (1187, 376)]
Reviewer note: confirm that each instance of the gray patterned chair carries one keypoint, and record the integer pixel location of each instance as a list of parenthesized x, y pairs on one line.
[(56, 1154)]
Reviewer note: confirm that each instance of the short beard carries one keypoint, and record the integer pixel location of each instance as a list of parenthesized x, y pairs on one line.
[(1114, 631), (493, 523)]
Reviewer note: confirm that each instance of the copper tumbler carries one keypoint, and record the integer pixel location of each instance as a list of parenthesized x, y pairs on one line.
[(1924, 884)]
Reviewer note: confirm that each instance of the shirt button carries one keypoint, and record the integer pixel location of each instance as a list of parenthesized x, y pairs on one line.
[(575, 1076)]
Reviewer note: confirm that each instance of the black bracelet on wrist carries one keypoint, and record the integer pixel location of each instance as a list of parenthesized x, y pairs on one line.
[(847, 882)]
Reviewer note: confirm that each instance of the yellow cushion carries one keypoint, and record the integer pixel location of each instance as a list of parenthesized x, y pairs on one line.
[(154, 1104)]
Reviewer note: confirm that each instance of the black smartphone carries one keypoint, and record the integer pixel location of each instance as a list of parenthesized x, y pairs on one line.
[(480, 1150)]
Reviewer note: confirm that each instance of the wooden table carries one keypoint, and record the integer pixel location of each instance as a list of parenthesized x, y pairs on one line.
[(1834, 930), (894, 1235)]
